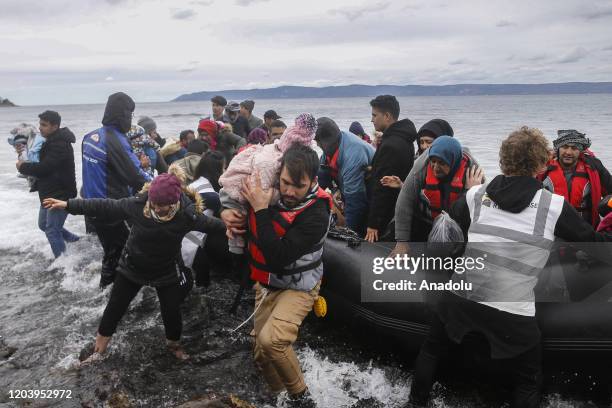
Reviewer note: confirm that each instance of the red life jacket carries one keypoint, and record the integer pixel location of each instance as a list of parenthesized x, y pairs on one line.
[(431, 190), (281, 221), (583, 175), (333, 165)]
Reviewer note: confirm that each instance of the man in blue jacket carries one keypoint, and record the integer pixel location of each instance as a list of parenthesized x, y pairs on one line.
[(111, 170), (345, 160)]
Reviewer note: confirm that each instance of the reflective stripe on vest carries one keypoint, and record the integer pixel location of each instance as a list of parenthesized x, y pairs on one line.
[(431, 190), (302, 274), (514, 248)]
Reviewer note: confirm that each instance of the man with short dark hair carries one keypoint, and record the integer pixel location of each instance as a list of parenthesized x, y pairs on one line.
[(277, 128), (56, 178), (185, 137), (240, 126), (394, 157), (218, 107), (285, 247), (269, 117), (246, 111)]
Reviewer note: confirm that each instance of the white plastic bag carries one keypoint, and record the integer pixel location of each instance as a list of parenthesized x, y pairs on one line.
[(445, 230)]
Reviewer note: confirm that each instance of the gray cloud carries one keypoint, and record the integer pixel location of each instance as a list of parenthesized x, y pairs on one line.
[(596, 13), (538, 57), (609, 48), (203, 3), (504, 23), (185, 14), (461, 61), (245, 3), (573, 56), (353, 14)]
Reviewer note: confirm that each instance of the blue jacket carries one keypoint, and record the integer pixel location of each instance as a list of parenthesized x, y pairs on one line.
[(110, 168), (354, 157), (34, 150)]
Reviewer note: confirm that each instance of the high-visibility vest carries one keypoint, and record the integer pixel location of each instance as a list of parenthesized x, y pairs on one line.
[(305, 272), (513, 247)]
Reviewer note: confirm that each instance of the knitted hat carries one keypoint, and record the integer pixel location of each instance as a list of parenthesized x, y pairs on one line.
[(571, 137), (303, 132), (147, 123), (209, 126), (165, 189), (257, 136), (356, 129)]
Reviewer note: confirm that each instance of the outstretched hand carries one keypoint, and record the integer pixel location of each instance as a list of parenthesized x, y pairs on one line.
[(256, 195), (391, 181), (53, 204)]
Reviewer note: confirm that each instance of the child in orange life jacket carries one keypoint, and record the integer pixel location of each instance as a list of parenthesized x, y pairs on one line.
[(266, 160)]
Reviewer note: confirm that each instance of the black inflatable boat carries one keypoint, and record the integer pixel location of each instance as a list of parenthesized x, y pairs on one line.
[(577, 317)]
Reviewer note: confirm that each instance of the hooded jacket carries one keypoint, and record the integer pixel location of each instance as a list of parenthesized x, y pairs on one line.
[(55, 170), (152, 248), (413, 220), (118, 112), (110, 167), (354, 157), (189, 163), (514, 194), (394, 157)]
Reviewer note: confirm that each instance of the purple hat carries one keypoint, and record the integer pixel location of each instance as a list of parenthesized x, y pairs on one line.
[(257, 136), (165, 189)]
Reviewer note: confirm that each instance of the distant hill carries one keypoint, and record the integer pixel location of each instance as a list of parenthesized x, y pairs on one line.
[(347, 91), (5, 103)]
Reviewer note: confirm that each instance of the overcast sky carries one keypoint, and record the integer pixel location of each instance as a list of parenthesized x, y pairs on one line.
[(80, 51)]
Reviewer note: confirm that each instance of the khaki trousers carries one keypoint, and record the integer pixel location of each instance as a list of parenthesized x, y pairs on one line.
[(276, 328)]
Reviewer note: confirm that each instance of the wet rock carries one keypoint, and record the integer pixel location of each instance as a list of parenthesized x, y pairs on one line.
[(119, 400), (213, 401), (6, 351)]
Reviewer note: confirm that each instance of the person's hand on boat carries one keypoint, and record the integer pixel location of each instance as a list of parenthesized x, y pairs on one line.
[(401, 248), (371, 235), (53, 204), (235, 222), (256, 195), (475, 177), (19, 163), (391, 181)]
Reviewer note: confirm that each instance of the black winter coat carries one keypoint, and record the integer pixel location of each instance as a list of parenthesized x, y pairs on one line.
[(394, 157), (55, 170), (151, 252)]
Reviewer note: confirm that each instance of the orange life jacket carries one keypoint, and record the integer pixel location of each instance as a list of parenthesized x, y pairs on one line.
[(583, 175), (431, 190), (310, 263)]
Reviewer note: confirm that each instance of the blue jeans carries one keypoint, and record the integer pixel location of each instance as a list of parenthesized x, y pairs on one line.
[(51, 222)]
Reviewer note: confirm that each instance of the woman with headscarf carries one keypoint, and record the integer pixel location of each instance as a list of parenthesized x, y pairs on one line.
[(160, 215), (436, 181)]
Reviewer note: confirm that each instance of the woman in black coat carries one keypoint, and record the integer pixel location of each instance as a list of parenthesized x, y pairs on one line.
[(160, 215)]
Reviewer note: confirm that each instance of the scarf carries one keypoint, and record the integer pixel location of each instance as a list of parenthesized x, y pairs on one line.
[(150, 213), (312, 195)]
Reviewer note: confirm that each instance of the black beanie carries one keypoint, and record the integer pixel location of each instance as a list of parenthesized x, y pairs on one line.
[(437, 128)]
